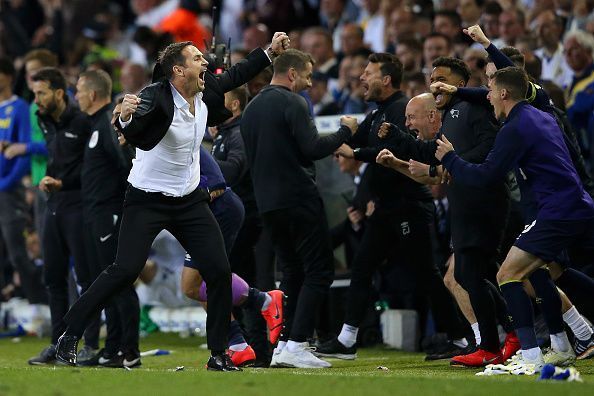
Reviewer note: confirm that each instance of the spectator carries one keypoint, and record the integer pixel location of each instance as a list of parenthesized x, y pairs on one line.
[(410, 53), (470, 11), (511, 27), (317, 42), (490, 19), (549, 28)]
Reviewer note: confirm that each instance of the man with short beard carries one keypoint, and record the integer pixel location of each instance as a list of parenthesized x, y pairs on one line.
[(281, 143), (401, 222), (66, 130)]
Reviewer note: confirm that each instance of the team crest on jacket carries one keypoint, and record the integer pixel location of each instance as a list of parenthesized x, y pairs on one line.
[(455, 113), (94, 139)]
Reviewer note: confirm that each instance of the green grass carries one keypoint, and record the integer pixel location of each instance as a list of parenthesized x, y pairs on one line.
[(408, 374)]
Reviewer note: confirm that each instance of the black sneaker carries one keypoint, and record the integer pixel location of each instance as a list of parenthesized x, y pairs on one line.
[(111, 360), (66, 349), (47, 356), (88, 356), (335, 349), (221, 362), (131, 359), (449, 350)]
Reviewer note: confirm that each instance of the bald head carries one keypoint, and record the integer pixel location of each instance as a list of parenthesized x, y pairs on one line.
[(422, 116)]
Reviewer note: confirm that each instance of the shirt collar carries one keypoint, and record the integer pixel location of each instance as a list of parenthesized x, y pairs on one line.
[(179, 100)]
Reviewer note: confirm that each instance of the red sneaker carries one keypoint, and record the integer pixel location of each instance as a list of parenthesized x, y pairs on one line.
[(244, 358), (510, 346), (480, 358), (274, 315)]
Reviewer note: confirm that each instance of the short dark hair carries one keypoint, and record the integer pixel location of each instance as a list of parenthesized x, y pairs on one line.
[(514, 80), (6, 66), (452, 15), (493, 8), (513, 54), (52, 76), (172, 56), (292, 58), (240, 93), (457, 66), (390, 65), (43, 56), (99, 81)]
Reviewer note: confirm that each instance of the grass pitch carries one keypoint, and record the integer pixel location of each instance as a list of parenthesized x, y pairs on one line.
[(408, 374)]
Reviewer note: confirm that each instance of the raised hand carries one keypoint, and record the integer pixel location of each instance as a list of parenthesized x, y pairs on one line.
[(476, 33), (129, 106), (350, 122)]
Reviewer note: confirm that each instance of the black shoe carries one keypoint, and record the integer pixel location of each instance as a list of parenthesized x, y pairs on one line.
[(131, 359), (88, 357), (335, 349), (112, 360), (221, 362), (47, 356), (449, 350), (66, 349)]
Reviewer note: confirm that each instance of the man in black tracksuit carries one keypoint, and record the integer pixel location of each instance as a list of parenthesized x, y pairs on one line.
[(282, 142), (478, 215), (402, 218), (104, 172), (66, 130)]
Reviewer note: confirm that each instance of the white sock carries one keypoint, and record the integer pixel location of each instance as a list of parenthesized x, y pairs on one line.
[(281, 345), (266, 302), (348, 335), (477, 333), (293, 346), (577, 324), (532, 355), (238, 347), (460, 343), (560, 342)]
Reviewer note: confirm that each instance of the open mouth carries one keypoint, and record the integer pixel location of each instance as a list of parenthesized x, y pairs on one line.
[(201, 76), (438, 98)]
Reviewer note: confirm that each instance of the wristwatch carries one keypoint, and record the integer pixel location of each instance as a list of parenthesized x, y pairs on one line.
[(356, 151)]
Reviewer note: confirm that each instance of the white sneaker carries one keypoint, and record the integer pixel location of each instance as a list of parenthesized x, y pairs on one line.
[(275, 354), (301, 358), (561, 359)]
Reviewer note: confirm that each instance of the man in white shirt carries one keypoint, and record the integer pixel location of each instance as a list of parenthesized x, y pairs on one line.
[(549, 28), (164, 194)]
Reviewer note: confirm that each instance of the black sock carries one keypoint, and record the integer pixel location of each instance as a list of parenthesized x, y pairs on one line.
[(548, 298), (500, 307), (520, 308), (255, 299), (579, 287)]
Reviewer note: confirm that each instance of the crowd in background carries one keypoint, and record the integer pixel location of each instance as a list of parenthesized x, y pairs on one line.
[(124, 37)]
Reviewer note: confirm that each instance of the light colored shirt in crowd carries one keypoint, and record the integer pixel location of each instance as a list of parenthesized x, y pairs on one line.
[(555, 68), (374, 33), (172, 167)]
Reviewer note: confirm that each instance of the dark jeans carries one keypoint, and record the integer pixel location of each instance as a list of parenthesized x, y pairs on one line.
[(405, 235), (122, 314), (192, 223), (301, 241)]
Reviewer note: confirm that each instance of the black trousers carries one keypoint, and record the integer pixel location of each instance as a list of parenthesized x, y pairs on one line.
[(471, 272), (192, 223), (122, 314), (63, 239), (403, 234), (301, 241)]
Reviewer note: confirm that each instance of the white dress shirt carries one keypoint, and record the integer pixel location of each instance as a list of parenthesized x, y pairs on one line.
[(172, 167), (555, 68)]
